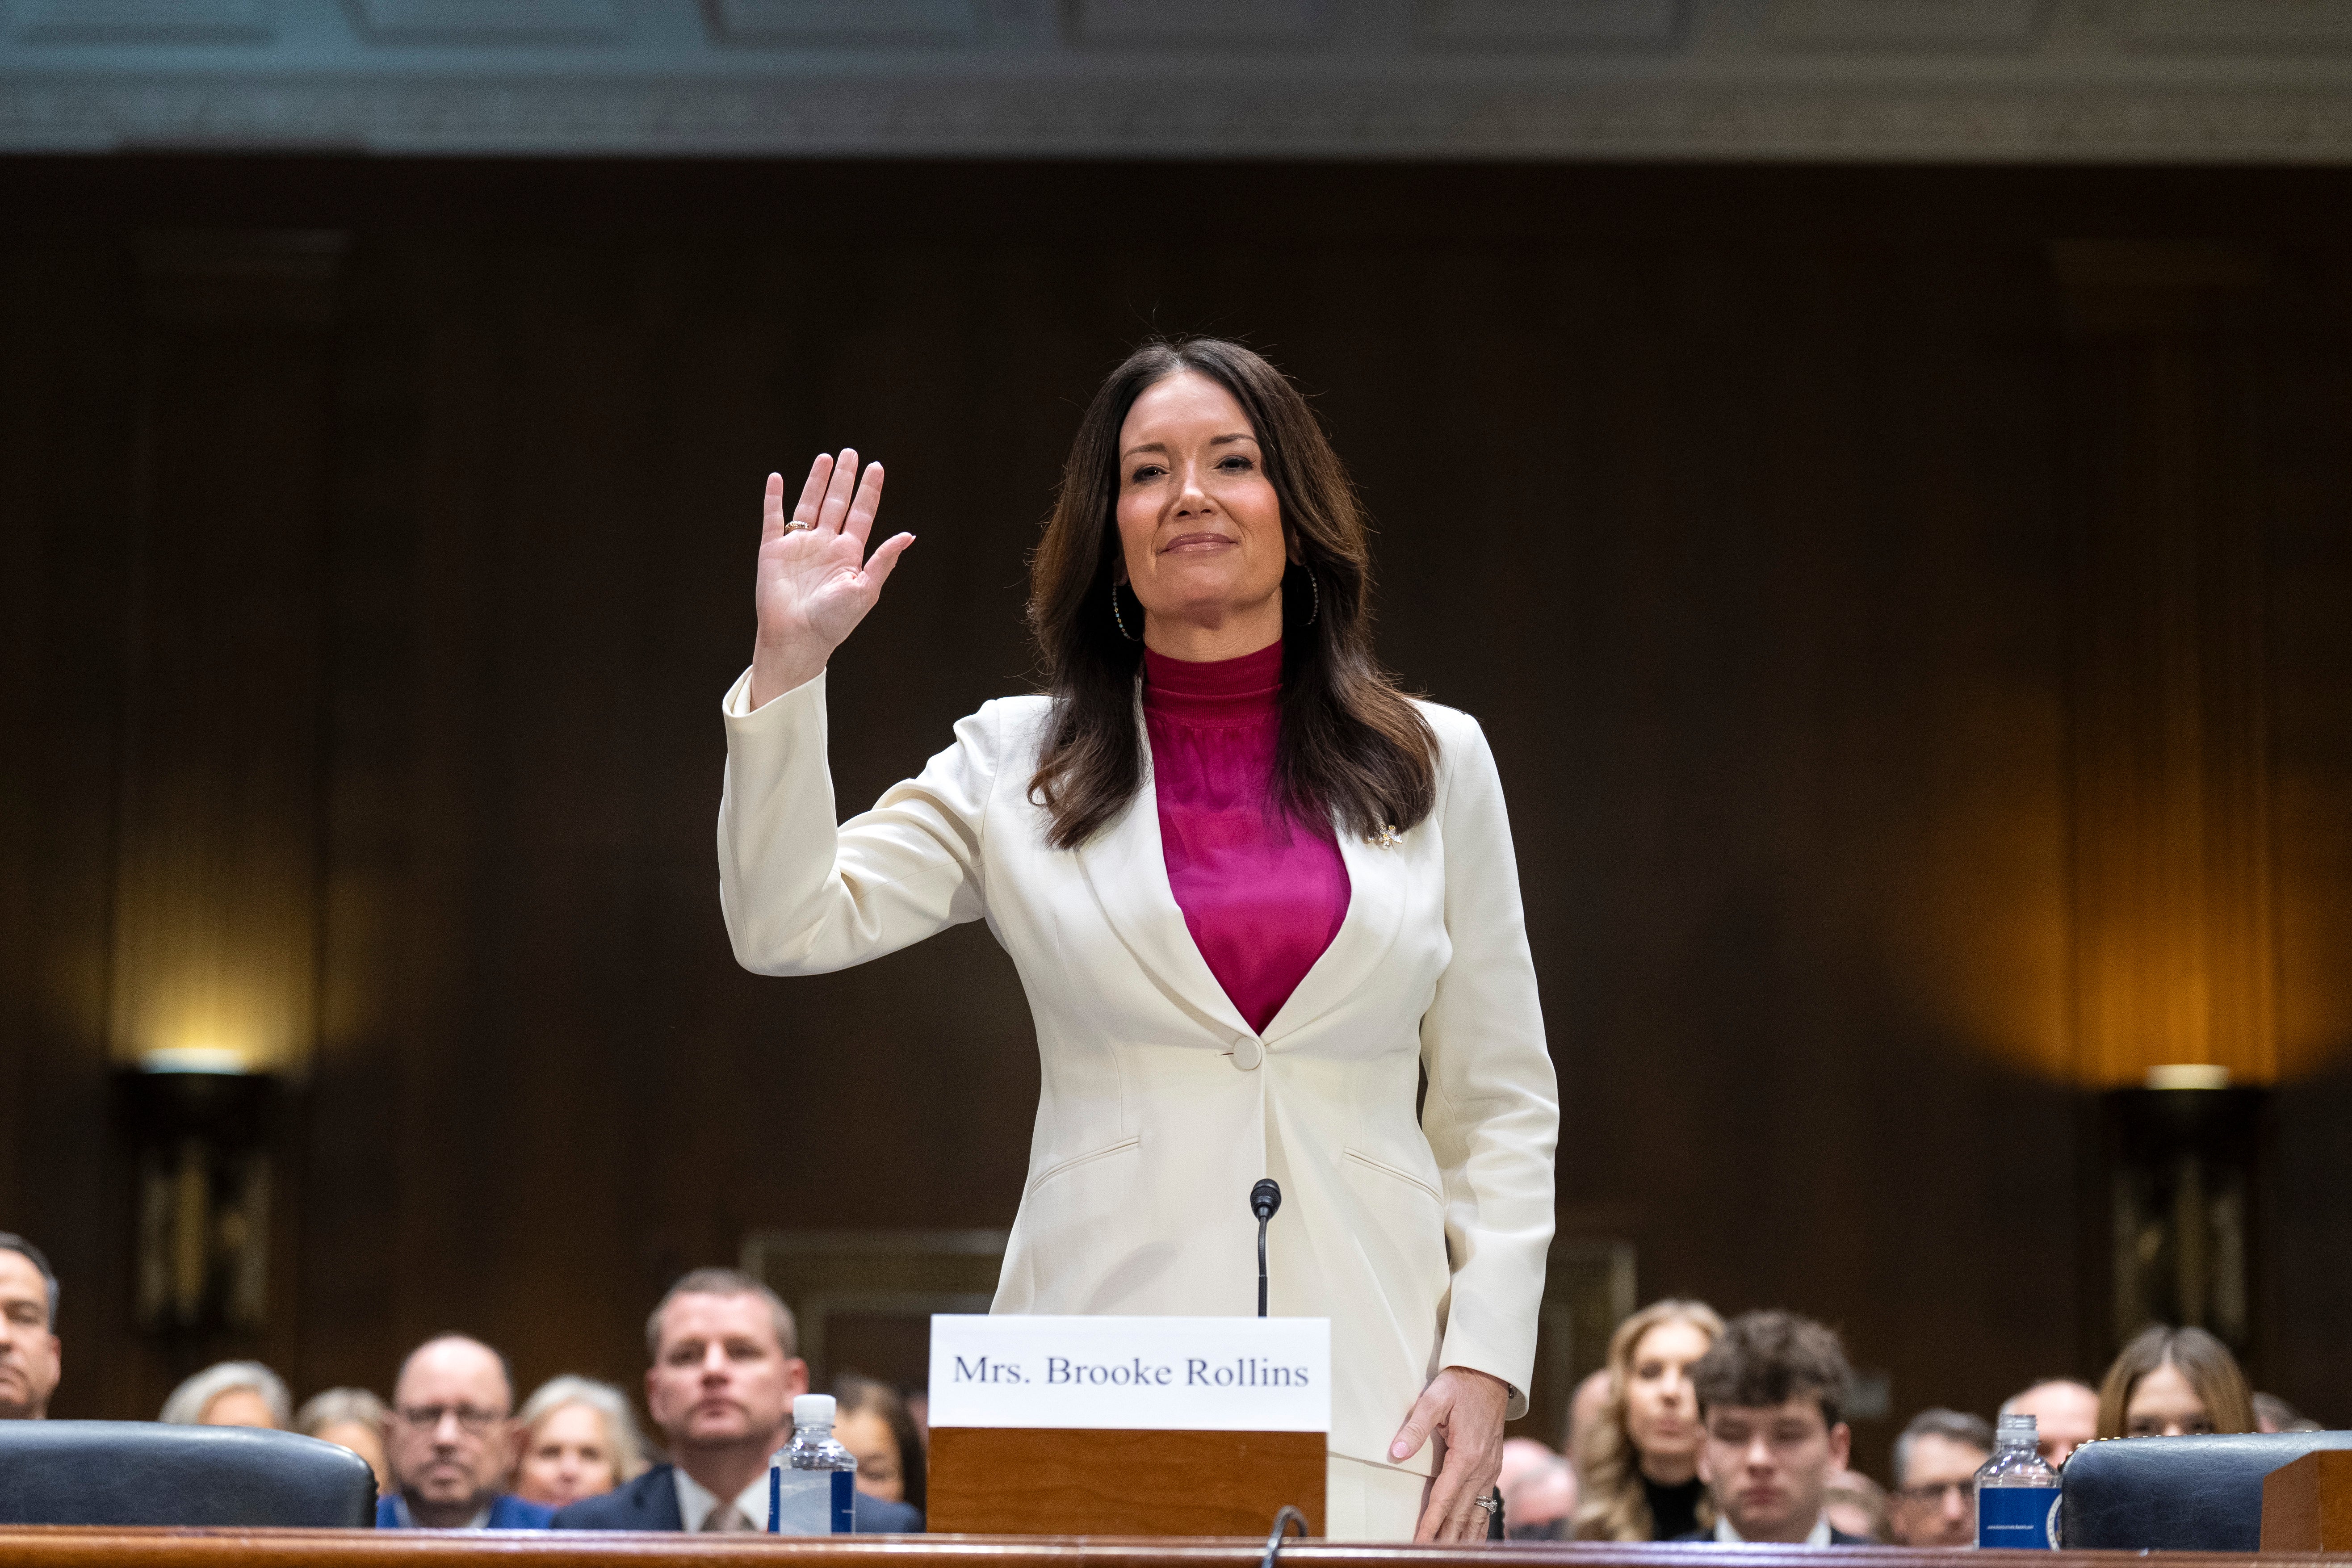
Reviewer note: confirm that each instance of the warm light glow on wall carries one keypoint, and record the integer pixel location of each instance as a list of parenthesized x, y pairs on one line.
[(214, 954)]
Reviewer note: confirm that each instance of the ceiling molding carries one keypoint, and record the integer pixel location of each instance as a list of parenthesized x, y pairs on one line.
[(138, 21), (790, 21), (490, 21), (1968, 80)]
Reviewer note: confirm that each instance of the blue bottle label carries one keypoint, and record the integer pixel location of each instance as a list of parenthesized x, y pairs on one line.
[(845, 1502), (775, 1496), (2018, 1517)]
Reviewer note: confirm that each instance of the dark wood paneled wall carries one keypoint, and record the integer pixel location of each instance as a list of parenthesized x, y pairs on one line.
[(1736, 503)]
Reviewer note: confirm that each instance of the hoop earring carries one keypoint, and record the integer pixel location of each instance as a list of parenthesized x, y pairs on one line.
[(1314, 600), (1116, 619)]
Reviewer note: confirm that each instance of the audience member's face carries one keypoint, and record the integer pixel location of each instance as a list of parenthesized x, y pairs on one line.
[(721, 1377), (29, 1352), (237, 1407), (451, 1441), (567, 1455), (360, 1438), (1769, 1466), (1847, 1511), (1935, 1500), (867, 1435), (1544, 1498), (2164, 1403), (1661, 1411), (2065, 1416)]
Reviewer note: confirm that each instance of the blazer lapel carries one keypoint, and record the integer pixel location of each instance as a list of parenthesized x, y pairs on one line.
[(657, 1495), (1376, 890), (1128, 870)]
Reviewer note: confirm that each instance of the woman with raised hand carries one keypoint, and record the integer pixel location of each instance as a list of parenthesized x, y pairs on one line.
[(1253, 892)]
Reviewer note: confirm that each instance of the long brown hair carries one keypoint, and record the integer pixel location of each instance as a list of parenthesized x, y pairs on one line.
[(1612, 1505), (1351, 743), (2203, 1360)]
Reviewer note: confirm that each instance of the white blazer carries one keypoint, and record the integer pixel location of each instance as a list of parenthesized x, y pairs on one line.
[(1423, 1239)]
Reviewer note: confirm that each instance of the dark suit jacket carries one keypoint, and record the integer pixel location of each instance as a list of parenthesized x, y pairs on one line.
[(507, 1512), (650, 1502), (1837, 1536)]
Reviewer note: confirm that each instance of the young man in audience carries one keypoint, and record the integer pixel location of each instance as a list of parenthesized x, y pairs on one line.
[(451, 1441), (1935, 1463), (721, 1390), (2066, 1415), (30, 1352), (1771, 1397)]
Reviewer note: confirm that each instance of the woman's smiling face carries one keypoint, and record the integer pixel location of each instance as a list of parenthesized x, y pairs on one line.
[(1200, 526)]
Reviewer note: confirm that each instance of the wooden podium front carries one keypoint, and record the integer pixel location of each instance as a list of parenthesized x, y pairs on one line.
[(999, 1481)]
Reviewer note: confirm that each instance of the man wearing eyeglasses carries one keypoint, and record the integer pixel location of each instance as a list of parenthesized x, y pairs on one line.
[(451, 1440), (1935, 1463)]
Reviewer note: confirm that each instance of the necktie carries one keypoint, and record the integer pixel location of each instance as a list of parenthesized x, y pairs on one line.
[(726, 1519)]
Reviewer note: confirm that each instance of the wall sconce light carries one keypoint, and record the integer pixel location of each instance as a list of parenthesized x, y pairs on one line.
[(2183, 1164), (200, 1126)]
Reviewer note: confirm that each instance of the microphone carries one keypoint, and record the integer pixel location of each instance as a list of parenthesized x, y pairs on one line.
[(1265, 1198)]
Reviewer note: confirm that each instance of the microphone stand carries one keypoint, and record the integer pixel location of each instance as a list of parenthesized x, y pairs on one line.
[(1265, 1198)]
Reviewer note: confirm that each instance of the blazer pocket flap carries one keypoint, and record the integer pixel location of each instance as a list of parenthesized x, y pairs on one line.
[(1064, 1167), (1398, 1172)]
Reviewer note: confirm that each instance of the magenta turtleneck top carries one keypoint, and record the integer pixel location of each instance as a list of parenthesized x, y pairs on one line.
[(1262, 892)]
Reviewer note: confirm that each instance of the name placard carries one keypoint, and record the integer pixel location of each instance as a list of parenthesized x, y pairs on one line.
[(1170, 1374)]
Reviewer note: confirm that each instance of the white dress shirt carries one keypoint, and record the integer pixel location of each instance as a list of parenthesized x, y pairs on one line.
[(695, 1502)]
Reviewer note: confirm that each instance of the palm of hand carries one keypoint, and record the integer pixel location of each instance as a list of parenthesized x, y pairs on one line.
[(814, 585), (815, 582)]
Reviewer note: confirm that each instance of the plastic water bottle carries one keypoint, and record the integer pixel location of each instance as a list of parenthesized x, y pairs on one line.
[(812, 1482), (2016, 1494)]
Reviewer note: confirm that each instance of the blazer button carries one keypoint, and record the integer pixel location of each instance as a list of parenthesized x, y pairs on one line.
[(1248, 1053)]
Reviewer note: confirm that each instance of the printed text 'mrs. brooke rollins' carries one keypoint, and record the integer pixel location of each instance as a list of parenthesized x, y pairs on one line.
[(1198, 1372)]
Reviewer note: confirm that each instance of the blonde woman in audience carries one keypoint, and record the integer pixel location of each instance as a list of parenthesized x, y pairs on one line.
[(349, 1418), (2170, 1383), (1638, 1462), (579, 1439), (231, 1393)]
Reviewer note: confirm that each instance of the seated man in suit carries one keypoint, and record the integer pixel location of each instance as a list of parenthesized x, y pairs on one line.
[(451, 1440), (28, 1321), (1771, 1394), (721, 1390)]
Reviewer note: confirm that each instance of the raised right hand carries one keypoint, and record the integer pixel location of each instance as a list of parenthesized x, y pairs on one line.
[(816, 583)]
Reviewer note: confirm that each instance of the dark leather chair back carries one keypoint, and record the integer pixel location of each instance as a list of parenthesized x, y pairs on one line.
[(144, 1472), (2178, 1494)]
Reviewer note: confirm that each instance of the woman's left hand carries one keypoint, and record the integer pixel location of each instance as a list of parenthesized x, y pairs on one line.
[(1465, 1408)]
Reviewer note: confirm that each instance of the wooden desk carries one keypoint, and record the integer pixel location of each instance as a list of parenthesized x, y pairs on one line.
[(75, 1547)]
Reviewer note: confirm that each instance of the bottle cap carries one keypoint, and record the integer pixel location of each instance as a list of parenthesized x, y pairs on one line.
[(816, 1410), (2020, 1426)]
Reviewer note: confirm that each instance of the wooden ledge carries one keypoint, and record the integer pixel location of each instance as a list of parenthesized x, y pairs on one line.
[(84, 1547)]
